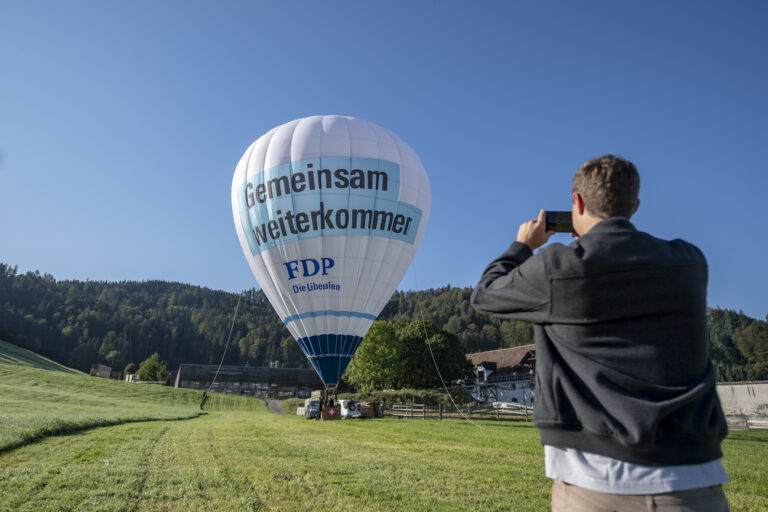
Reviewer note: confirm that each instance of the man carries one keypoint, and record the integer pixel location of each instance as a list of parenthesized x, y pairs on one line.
[(625, 389)]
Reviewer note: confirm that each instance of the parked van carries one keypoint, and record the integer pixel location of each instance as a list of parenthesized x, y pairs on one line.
[(350, 409)]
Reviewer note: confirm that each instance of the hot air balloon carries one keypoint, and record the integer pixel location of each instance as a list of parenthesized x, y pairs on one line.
[(330, 211)]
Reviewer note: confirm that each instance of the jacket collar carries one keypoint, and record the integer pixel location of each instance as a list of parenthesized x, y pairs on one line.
[(612, 224)]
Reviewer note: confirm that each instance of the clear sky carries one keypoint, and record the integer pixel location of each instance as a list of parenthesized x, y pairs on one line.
[(121, 123)]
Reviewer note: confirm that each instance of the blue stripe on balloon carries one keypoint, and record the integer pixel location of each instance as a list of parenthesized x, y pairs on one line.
[(325, 345), (330, 368), (328, 312), (329, 354)]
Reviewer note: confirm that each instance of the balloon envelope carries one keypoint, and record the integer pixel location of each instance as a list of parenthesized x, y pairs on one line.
[(330, 211)]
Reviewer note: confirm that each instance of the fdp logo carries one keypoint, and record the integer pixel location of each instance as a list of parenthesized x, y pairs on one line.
[(308, 267)]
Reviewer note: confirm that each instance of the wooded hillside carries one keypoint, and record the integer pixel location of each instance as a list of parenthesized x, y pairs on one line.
[(117, 323)]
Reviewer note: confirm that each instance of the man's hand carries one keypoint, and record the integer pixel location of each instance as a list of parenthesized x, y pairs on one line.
[(532, 233)]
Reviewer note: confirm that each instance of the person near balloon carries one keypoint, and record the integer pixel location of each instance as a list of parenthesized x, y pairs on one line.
[(626, 403)]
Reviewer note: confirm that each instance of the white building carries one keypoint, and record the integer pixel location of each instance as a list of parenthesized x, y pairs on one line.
[(504, 375)]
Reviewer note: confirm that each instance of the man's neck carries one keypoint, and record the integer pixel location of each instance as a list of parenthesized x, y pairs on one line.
[(587, 221)]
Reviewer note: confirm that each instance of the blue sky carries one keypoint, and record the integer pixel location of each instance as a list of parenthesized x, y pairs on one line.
[(121, 123)]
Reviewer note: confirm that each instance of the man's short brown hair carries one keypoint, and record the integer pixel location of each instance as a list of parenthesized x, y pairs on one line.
[(609, 186)]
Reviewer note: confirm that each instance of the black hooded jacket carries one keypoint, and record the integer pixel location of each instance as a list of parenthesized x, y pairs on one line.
[(622, 357)]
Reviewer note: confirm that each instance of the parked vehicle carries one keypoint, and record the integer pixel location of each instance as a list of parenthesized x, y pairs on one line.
[(312, 409), (350, 409)]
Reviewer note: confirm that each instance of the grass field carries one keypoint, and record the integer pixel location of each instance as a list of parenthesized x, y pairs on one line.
[(234, 459), (17, 356), (38, 399)]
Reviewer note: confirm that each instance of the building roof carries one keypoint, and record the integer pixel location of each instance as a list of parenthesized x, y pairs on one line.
[(505, 358), (279, 376)]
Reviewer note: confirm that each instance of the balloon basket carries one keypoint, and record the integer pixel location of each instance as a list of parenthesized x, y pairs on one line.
[(330, 412)]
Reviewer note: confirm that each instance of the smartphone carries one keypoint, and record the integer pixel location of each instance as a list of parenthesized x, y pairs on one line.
[(560, 222)]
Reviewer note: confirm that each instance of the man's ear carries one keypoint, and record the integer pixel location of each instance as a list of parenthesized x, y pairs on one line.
[(578, 201)]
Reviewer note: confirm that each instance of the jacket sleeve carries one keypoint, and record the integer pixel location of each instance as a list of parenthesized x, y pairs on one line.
[(514, 285)]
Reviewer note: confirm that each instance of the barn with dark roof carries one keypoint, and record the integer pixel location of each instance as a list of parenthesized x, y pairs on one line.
[(505, 375)]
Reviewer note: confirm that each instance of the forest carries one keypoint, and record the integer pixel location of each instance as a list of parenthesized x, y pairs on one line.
[(78, 323)]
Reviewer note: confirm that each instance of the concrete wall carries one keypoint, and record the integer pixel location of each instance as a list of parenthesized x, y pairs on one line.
[(745, 404)]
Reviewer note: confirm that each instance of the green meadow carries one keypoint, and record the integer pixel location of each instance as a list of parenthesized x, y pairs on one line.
[(73, 442), (38, 399)]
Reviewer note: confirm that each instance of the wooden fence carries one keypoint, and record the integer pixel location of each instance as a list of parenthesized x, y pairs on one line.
[(442, 412)]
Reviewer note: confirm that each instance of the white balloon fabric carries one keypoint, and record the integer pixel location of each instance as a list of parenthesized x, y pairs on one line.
[(330, 211)]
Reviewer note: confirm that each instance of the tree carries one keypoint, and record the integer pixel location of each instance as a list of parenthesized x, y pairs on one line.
[(377, 363), (432, 357), (396, 356), (753, 341), (515, 333), (152, 369)]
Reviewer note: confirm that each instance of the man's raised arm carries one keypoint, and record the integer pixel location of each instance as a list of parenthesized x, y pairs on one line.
[(516, 285)]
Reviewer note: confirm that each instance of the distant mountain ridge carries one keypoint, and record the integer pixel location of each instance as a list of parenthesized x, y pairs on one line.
[(78, 323)]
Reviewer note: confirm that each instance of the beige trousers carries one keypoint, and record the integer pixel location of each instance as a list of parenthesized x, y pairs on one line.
[(570, 498)]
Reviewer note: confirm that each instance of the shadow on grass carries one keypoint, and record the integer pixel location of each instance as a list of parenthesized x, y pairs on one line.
[(65, 429)]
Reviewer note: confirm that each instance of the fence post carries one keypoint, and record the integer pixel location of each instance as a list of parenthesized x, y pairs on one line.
[(469, 414), (424, 413), (441, 411)]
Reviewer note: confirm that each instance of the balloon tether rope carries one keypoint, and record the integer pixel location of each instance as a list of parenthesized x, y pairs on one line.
[(429, 346), (231, 328)]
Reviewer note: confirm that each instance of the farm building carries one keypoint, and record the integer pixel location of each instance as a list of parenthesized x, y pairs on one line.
[(105, 372), (249, 380), (504, 375)]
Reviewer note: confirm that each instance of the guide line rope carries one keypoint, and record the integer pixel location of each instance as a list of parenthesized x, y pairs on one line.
[(231, 328), (429, 346)]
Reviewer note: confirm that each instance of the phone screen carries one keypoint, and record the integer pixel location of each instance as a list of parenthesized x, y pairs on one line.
[(560, 222)]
